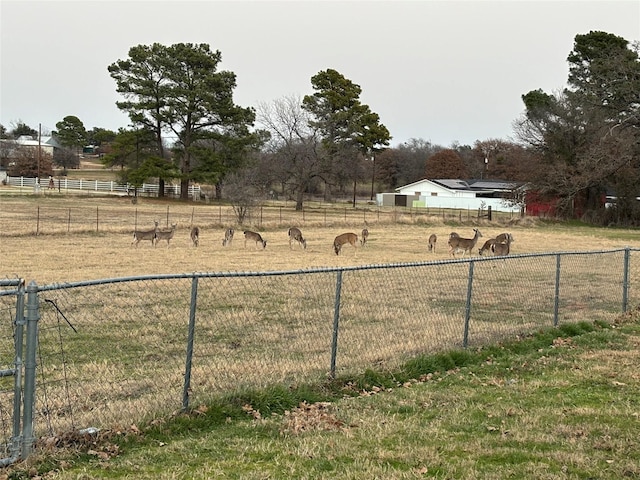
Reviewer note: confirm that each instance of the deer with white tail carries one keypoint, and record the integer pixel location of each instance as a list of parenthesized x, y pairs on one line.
[(139, 235), (502, 248), (489, 245), (460, 244), (364, 236), (228, 237)]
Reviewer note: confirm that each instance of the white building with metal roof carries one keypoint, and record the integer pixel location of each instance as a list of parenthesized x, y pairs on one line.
[(453, 193)]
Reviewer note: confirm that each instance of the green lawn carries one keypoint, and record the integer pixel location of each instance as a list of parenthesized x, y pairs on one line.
[(563, 403)]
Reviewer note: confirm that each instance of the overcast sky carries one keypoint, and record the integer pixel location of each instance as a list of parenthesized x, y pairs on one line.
[(442, 71)]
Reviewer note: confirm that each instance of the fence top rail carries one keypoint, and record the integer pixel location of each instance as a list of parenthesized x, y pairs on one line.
[(11, 282), (10, 293), (193, 275)]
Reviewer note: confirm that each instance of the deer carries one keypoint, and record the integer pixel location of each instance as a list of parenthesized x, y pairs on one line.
[(364, 236), (487, 247), (228, 237), (195, 236), (255, 237), (501, 249), (458, 243), (340, 240), (139, 235), (295, 234), (166, 234), (503, 237), (433, 238)]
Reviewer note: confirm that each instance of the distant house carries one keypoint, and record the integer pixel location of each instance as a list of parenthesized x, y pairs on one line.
[(453, 193), (48, 144), (10, 148)]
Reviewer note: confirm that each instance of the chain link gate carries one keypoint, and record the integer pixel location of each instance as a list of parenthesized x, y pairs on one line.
[(17, 375)]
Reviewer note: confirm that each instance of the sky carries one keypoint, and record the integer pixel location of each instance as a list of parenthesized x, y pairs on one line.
[(446, 72)]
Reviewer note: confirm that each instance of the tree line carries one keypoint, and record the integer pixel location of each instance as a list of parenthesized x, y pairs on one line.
[(573, 147)]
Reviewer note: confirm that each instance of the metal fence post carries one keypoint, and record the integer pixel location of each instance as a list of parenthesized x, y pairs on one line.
[(19, 365), (16, 439), (467, 310), (625, 280), (190, 337), (556, 300), (33, 317), (336, 322)]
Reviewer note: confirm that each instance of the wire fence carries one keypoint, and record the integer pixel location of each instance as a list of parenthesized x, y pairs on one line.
[(115, 352), (115, 215)]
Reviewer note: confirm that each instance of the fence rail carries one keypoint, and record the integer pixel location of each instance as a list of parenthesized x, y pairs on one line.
[(99, 186), (117, 351)]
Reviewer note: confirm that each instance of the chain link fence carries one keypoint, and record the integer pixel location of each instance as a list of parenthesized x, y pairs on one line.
[(114, 352)]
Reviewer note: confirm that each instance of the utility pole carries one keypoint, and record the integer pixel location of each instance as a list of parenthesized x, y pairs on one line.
[(39, 151)]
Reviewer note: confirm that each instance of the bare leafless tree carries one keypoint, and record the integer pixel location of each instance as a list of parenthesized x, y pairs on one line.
[(294, 148)]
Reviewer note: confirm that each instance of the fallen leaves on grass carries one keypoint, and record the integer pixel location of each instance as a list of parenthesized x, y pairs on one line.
[(311, 417)]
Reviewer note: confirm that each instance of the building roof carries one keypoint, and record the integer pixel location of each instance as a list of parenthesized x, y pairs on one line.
[(452, 183), (493, 184), (29, 141), (477, 186)]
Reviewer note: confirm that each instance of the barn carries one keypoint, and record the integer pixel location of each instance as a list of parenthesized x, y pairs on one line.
[(454, 193)]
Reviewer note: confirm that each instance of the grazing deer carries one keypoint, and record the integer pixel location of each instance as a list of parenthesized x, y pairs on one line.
[(340, 240), (195, 236), (255, 237), (503, 237), (433, 238), (502, 249), (457, 243), (139, 235), (166, 234), (295, 234), (487, 247), (228, 237), (364, 236)]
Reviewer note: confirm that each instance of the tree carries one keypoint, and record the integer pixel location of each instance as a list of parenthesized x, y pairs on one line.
[(71, 132), (66, 158), (345, 124), (99, 136), (294, 146), (141, 80), (217, 157), (445, 164), (20, 128), (179, 89), (134, 153), (498, 159), (589, 132), (28, 163)]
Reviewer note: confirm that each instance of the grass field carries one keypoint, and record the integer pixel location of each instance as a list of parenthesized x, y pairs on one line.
[(266, 330), (62, 254)]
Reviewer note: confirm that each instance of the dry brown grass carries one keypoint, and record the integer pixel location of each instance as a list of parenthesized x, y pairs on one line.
[(61, 255)]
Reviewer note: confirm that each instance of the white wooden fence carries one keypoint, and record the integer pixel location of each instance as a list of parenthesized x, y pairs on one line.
[(59, 184)]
